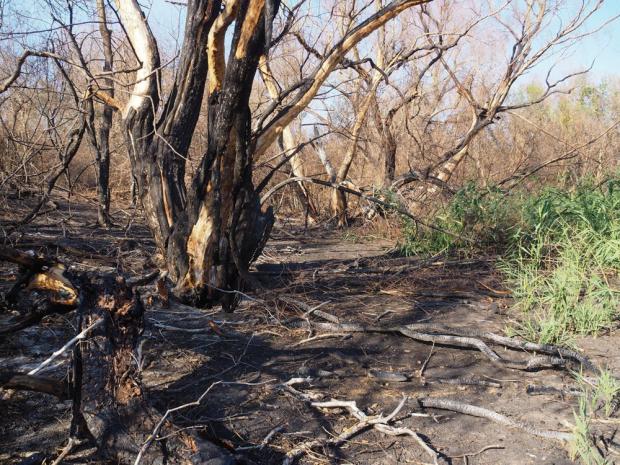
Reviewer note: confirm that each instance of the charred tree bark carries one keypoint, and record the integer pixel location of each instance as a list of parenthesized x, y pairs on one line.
[(209, 234), (110, 407), (24, 382), (158, 150), (223, 227), (113, 404), (103, 152)]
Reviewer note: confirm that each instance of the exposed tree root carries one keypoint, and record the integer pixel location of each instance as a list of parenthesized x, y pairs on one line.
[(24, 382), (554, 357), (473, 410)]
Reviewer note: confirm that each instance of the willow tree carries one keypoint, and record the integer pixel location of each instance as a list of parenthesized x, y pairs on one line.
[(209, 233)]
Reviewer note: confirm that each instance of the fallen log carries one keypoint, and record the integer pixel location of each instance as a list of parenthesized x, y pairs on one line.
[(25, 382)]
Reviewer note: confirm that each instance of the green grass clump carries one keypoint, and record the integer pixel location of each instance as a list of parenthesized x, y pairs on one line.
[(565, 256), (597, 397), (560, 252), (582, 446), (475, 219), (600, 393)]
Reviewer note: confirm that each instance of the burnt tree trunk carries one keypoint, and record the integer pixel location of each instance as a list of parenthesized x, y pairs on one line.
[(209, 234), (112, 403), (103, 152), (339, 207), (223, 228), (388, 141), (112, 408)]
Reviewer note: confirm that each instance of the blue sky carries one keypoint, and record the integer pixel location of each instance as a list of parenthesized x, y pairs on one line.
[(166, 19), (603, 47)]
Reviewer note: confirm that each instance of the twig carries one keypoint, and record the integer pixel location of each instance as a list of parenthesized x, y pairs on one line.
[(556, 357), (465, 381), (387, 312), (318, 337), (379, 422), (206, 329), (473, 454), (155, 432), (265, 440), (306, 397), (71, 444), (309, 310), (64, 348), (391, 431), (423, 367)]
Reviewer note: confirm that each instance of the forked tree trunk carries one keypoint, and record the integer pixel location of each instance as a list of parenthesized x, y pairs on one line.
[(223, 228), (208, 235)]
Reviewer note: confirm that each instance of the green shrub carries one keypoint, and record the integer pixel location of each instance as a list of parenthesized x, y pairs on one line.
[(475, 219)]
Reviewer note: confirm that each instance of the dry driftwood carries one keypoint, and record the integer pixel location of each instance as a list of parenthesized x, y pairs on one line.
[(378, 422), (473, 410)]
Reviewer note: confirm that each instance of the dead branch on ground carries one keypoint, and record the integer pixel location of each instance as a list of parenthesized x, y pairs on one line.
[(364, 422), (473, 410), (554, 357)]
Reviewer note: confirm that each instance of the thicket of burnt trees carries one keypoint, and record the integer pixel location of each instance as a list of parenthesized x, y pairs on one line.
[(209, 234)]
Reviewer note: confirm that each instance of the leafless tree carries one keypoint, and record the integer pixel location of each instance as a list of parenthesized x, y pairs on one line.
[(210, 232), (527, 25)]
